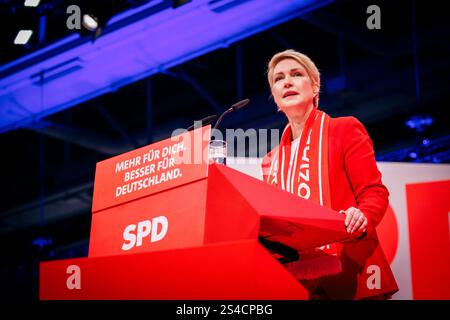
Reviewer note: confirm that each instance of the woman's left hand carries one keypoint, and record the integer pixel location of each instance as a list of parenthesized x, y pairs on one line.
[(355, 220)]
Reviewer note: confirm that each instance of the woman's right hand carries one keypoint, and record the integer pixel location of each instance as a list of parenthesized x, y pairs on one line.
[(355, 221)]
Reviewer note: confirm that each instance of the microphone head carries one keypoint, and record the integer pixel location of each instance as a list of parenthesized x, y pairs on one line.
[(209, 119), (240, 104)]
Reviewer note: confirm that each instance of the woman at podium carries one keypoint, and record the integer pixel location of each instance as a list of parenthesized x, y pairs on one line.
[(330, 161)]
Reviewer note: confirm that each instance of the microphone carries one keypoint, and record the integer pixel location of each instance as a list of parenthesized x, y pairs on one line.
[(207, 120), (234, 107)]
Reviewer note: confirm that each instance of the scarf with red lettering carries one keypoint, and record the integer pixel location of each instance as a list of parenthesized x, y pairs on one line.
[(308, 177)]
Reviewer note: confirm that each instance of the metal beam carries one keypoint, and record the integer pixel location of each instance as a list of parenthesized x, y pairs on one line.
[(181, 75), (132, 47), (116, 125), (149, 109)]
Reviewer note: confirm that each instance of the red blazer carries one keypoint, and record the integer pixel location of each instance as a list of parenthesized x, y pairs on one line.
[(356, 182)]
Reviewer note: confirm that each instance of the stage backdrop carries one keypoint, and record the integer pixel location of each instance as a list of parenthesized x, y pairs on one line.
[(415, 230)]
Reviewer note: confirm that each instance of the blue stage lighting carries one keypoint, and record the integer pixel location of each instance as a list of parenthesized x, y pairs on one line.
[(419, 123), (42, 242), (413, 155), (152, 39)]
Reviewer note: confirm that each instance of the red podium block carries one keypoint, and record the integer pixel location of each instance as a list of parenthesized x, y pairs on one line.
[(225, 271), (193, 236)]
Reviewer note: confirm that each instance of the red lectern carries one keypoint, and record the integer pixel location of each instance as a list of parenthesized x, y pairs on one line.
[(166, 224)]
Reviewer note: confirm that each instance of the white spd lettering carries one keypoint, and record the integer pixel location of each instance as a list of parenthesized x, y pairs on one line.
[(156, 229)]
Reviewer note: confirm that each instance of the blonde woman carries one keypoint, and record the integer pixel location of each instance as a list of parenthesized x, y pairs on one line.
[(330, 161)]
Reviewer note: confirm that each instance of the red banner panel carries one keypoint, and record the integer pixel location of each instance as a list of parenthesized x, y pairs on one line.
[(171, 219), (151, 169), (428, 212)]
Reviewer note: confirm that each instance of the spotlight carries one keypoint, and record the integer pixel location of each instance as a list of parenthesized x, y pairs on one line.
[(90, 22), (32, 3), (26, 20), (23, 37), (96, 15)]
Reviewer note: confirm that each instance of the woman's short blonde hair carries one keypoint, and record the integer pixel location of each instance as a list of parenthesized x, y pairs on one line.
[(301, 58)]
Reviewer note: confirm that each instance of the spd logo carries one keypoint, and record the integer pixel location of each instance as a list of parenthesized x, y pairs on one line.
[(151, 230)]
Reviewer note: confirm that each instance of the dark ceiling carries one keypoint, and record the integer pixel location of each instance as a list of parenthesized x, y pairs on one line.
[(375, 75)]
